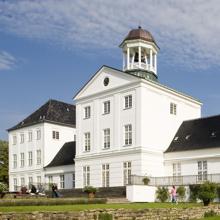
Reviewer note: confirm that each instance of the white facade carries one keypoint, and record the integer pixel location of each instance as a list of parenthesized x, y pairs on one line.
[(62, 176), (153, 126), (31, 148)]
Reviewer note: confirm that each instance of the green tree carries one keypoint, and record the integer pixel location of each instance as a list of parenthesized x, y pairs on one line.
[(4, 162)]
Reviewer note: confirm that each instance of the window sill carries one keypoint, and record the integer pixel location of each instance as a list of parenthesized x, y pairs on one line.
[(107, 113), (127, 145), (127, 108), (86, 118), (106, 148), (86, 151)]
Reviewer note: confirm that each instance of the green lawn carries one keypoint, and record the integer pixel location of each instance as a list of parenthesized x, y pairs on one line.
[(95, 206), (211, 218)]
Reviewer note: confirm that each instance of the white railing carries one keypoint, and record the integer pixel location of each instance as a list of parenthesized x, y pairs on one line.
[(143, 66), (176, 180)]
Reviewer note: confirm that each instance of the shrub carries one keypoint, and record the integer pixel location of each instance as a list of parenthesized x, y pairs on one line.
[(207, 192), (89, 189), (162, 194), (210, 213), (194, 190), (146, 180), (218, 191), (45, 201), (3, 189), (181, 191)]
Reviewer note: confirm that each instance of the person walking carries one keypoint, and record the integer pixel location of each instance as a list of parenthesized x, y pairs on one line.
[(173, 194)]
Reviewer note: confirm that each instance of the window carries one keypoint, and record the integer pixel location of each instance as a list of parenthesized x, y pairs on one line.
[(128, 101), (50, 179), (22, 181), (14, 161), (22, 138), (105, 175), (38, 157), (128, 134), (74, 137), (173, 108), (87, 112), (177, 172), (202, 170), (14, 140), (30, 136), (62, 181), (55, 135), (87, 141), (30, 158), (30, 181), (127, 172), (106, 107), (38, 182), (86, 176), (38, 134), (74, 180), (22, 159), (106, 135), (15, 184)]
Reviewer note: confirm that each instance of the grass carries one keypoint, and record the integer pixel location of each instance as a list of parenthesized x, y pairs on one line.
[(211, 218), (63, 208)]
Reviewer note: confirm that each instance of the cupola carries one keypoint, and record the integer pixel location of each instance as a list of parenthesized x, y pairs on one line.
[(140, 54)]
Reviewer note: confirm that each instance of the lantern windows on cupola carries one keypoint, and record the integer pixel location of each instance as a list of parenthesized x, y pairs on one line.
[(140, 54)]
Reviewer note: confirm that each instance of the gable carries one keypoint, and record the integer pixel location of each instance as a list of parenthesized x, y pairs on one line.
[(105, 79)]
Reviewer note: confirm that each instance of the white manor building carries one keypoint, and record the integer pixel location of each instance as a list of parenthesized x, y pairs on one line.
[(127, 125)]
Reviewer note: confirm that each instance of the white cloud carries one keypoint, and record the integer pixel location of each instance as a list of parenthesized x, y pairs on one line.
[(7, 61), (187, 31)]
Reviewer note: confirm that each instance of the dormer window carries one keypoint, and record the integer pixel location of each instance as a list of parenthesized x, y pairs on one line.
[(187, 137), (176, 138)]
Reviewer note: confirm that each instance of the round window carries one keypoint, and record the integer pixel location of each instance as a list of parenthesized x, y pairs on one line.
[(106, 81)]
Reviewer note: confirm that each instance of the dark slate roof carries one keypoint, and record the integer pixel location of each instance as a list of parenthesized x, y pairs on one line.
[(65, 156), (52, 111), (140, 33), (203, 133)]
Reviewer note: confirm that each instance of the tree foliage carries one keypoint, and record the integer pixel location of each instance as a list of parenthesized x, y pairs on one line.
[(162, 194), (4, 162)]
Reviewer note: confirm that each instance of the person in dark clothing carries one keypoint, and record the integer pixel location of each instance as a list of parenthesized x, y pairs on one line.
[(33, 189), (54, 191)]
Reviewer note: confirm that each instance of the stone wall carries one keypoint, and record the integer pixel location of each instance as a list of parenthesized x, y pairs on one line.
[(117, 214)]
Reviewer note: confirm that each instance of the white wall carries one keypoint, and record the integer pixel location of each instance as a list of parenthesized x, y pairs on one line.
[(189, 160), (55, 172), (48, 146), (141, 193), (153, 127)]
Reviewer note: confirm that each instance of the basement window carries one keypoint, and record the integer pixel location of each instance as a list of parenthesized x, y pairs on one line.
[(176, 138)]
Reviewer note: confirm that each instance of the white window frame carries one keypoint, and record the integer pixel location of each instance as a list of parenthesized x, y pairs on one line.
[(127, 172), (38, 157), (128, 101), (22, 160), (128, 134), (22, 181), (38, 181), (30, 181), (15, 161), (14, 140), (86, 176), (177, 172), (106, 107), (15, 183), (87, 141), (173, 108), (62, 181), (74, 180), (56, 135), (30, 136), (106, 138), (50, 179), (38, 134), (105, 175), (21, 138), (30, 158), (202, 170), (87, 112)]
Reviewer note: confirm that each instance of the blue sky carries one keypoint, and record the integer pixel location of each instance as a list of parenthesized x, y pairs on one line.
[(50, 48)]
